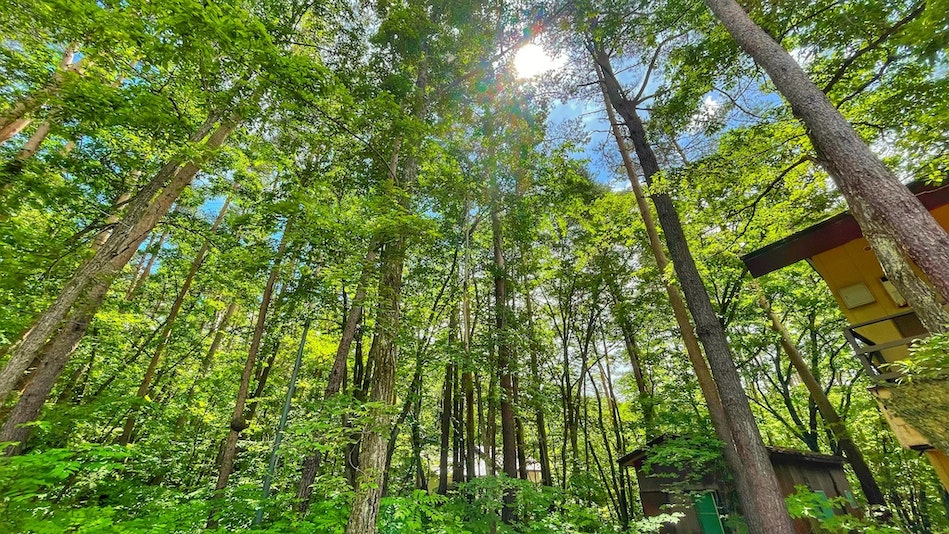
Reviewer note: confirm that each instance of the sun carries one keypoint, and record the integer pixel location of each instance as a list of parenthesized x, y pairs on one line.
[(532, 60)]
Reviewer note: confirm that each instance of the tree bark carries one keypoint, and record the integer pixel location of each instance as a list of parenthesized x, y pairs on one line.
[(543, 448), (352, 322), (893, 220), (163, 338), (762, 498), (383, 356), (868, 483), (140, 217), (311, 463), (679, 310), (53, 358)]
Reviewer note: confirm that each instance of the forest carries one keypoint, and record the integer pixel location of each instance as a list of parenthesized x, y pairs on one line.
[(466, 266)]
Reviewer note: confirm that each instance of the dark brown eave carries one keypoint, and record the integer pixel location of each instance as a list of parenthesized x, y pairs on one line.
[(825, 235), (777, 454)]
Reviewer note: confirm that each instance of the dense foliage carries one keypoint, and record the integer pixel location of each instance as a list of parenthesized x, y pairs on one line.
[(371, 240)]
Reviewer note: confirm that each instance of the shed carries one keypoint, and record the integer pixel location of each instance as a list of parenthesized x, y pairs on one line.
[(705, 495)]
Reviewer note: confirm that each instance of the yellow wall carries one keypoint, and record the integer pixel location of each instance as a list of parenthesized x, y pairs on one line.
[(853, 263)]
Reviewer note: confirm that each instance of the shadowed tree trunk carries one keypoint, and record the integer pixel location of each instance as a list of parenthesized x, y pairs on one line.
[(543, 447), (505, 359), (893, 220), (447, 408), (311, 464), (762, 498)]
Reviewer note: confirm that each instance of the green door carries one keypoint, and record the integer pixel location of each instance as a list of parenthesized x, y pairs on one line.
[(708, 514)]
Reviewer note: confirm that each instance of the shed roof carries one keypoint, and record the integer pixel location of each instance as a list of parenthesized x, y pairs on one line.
[(777, 454), (827, 234)]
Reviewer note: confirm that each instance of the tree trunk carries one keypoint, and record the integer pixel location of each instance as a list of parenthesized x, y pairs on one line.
[(868, 483), (140, 217), (110, 221), (163, 338), (543, 450), (761, 497), (383, 354), (893, 220), (505, 360), (53, 358), (457, 427), (383, 357), (140, 280), (272, 464), (15, 119), (238, 422), (349, 329), (447, 408), (208, 358), (311, 464)]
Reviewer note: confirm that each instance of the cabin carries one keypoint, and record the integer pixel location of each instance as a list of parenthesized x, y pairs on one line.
[(882, 324), (704, 495)]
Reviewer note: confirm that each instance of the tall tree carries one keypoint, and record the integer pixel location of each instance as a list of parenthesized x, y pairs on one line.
[(893, 220), (767, 510)]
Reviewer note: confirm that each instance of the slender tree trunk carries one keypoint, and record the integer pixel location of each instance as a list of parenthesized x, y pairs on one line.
[(457, 427), (349, 329), (491, 426), (261, 377), (632, 350), (761, 496), (893, 220), (521, 449), (543, 450), (860, 468), (149, 265), (447, 408), (165, 335), (140, 265), (15, 119), (218, 330), (238, 422), (140, 217), (408, 408), (284, 414), (505, 359), (311, 464)]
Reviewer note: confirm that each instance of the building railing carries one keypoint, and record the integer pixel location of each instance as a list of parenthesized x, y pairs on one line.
[(871, 352)]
